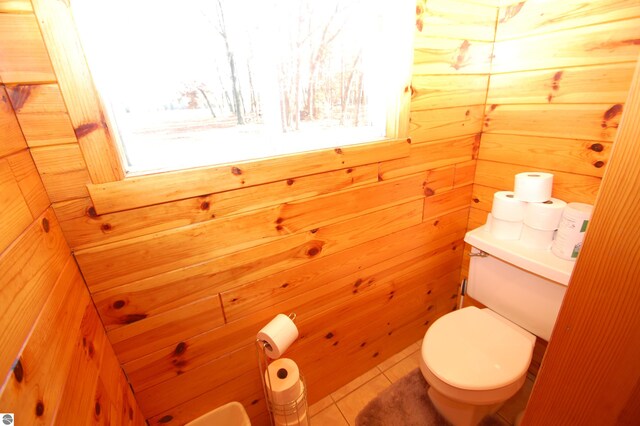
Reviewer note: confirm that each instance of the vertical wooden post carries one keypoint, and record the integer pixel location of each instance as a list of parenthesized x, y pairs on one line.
[(591, 371)]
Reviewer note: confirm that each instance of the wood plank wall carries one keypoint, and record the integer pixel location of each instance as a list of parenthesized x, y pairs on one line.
[(56, 363), (182, 287), (560, 75)]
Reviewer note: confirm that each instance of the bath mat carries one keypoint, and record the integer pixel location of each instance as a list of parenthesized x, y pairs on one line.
[(405, 403)]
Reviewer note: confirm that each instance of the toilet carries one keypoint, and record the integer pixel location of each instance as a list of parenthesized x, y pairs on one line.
[(476, 359)]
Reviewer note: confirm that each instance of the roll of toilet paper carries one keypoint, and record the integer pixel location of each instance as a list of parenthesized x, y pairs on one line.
[(503, 229), (279, 334), (536, 238), (544, 216), (533, 187), (283, 381), (507, 207), (573, 225)]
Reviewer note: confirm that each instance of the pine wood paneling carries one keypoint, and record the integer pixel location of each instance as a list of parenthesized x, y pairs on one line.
[(456, 19), (567, 155), (76, 86), (138, 258), (14, 214), (26, 174), (444, 91), (42, 114), (153, 189), (144, 336), (46, 370), (447, 202), (539, 16), (23, 56), (63, 171), (431, 155), (566, 186), (445, 123), (29, 271), (601, 84), (13, 6), (11, 138), (451, 56), (89, 229), (596, 122), (593, 45), (599, 317), (310, 286)]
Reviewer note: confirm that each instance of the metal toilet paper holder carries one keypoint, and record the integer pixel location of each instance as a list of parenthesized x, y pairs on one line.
[(293, 413)]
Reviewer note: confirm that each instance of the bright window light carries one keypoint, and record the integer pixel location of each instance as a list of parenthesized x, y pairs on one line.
[(204, 82)]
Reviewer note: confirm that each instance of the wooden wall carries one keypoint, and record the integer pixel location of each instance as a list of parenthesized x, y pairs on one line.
[(183, 286), (56, 363), (559, 79), (599, 319)]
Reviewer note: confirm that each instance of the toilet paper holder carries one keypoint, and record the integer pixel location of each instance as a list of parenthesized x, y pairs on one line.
[(291, 413)]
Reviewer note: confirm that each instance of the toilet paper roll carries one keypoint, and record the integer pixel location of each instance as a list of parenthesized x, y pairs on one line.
[(544, 216), (536, 238), (533, 187), (573, 225), (280, 333), (503, 229), (283, 381), (507, 207)]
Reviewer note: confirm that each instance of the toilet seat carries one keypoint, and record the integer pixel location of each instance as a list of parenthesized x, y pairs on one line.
[(474, 353)]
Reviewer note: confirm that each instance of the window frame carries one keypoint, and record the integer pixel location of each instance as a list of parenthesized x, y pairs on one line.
[(102, 154)]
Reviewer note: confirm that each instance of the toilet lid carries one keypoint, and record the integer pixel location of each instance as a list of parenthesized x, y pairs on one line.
[(476, 349)]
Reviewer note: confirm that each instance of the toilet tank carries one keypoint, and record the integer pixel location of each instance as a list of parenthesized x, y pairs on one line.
[(522, 284)]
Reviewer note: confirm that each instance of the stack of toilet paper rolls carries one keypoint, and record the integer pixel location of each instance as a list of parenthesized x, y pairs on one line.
[(528, 213)]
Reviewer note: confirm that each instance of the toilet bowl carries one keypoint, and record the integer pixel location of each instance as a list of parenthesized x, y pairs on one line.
[(474, 360)]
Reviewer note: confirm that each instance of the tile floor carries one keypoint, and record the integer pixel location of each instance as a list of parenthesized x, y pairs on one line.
[(342, 406)]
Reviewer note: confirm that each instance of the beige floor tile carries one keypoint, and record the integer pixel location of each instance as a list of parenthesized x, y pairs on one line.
[(354, 384), (330, 416), (351, 404), (320, 405), (404, 367), (385, 365), (516, 403)]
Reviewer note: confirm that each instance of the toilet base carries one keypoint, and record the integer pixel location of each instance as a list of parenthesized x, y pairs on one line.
[(458, 413)]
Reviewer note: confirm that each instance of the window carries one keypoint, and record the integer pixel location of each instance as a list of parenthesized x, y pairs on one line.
[(203, 82)]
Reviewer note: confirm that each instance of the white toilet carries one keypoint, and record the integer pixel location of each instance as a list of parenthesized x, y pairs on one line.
[(475, 359)]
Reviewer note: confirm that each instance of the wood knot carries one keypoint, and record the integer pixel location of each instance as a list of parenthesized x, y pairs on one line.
[(91, 212), (131, 318), (285, 285), (91, 350), (598, 164), (39, 408), (165, 419), (290, 182), (205, 205), (18, 371), (105, 227), (475, 200), (597, 147), (338, 150), (612, 112), (313, 251), (180, 349), (119, 304), (349, 170), (329, 335), (45, 225), (97, 408), (428, 192), (236, 171), (314, 230), (375, 354)]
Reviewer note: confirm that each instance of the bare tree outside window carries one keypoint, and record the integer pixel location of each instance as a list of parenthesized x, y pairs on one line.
[(222, 81)]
